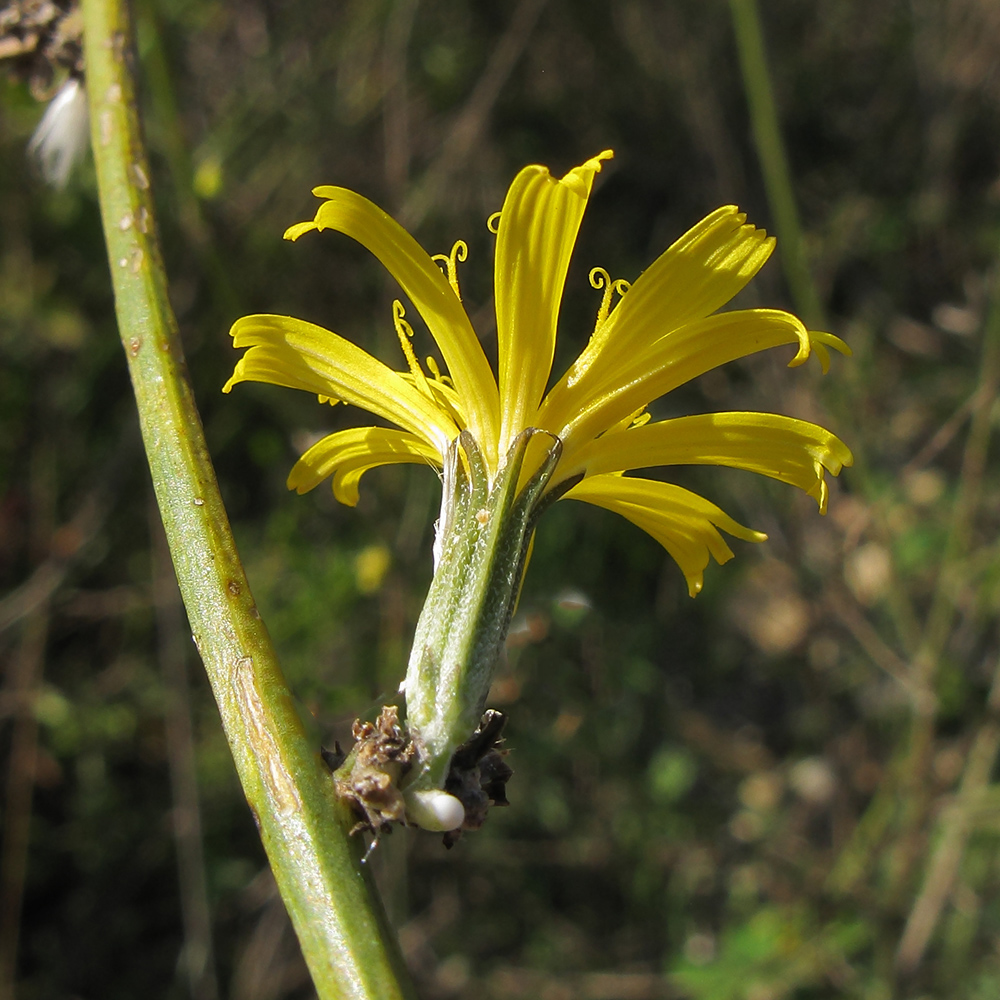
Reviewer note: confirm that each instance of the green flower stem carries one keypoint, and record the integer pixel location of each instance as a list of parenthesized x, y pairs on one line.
[(483, 537), (345, 938), (774, 161)]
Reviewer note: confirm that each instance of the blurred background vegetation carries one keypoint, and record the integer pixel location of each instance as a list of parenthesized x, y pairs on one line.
[(783, 789)]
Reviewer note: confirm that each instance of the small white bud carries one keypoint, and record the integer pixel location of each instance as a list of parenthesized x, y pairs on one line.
[(61, 138), (434, 810)]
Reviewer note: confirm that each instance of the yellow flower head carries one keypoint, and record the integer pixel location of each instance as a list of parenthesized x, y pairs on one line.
[(650, 337)]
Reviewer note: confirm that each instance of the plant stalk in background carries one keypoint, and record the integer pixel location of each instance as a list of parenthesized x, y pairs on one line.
[(345, 939), (774, 159)]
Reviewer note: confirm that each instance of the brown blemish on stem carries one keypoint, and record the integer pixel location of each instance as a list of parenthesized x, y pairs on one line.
[(139, 177), (278, 782), (118, 43)]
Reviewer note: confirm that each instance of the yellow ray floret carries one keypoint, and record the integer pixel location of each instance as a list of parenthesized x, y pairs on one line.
[(429, 291), (685, 524), (290, 352), (581, 411), (348, 455), (536, 234), (702, 271), (793, 451)]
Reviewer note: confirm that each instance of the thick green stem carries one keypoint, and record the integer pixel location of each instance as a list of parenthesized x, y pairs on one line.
[(773, 160), (345, 938), (483, 537)]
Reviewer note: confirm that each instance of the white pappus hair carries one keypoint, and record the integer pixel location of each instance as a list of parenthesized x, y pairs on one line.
[(61, 138)]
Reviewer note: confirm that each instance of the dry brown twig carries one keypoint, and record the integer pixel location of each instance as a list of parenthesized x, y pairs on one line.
[(955, 825)]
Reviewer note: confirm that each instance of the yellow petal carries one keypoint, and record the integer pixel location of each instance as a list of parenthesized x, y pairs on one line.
[(300, 228), (428, 289), (537, 232), (685, 524), (347, 455), (820, 343), (621, 387), (699, 273), (290, 352), (792, 451)]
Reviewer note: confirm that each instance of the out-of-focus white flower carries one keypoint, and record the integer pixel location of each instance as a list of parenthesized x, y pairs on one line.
[(62, 135)]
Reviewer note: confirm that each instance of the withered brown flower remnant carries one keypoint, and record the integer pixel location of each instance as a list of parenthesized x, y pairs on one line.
[(38, 38)]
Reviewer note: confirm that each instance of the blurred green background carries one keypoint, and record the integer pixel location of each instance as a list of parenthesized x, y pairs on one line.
[(782, 789)]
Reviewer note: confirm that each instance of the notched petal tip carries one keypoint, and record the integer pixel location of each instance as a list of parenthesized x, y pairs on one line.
[(833, 454), (580, 178), (687, 525), (806, 344), (346, 490), (834, 457), (721, 212), (820, 492), (294, 232), (348, 455), (832, 341), (767, 245), (300, 478), (304, 478), (593, 165), (818, 341), (247, 331), (237, 376)]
